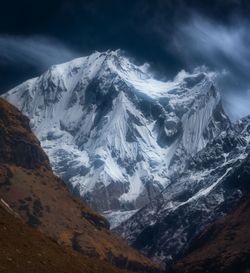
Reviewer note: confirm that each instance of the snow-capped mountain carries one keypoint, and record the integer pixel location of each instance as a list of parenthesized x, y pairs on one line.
[(117, 136), (212, 184)]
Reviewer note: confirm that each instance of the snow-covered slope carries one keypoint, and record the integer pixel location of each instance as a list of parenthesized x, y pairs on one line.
[(212, 184), (116, 135)]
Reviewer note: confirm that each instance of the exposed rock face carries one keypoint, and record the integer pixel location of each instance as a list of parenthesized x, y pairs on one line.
[(31, 190), (211, 186), (115, 134), (224, 246), (18, 145)]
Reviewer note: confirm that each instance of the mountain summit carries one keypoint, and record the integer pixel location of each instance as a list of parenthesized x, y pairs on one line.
[(114, 133)]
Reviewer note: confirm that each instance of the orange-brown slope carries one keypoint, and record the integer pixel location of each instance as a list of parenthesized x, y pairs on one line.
[(25, 249), (29, 186), (223, 248)]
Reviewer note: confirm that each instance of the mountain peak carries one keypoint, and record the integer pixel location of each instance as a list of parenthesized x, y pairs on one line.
[(114, 133)]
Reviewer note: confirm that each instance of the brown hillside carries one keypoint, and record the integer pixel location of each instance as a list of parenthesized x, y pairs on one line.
[(25, 249), (223, 248), (29, 187)]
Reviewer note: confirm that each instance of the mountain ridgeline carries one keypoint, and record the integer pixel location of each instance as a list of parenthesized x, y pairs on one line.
[(161, 160), (113, 133)]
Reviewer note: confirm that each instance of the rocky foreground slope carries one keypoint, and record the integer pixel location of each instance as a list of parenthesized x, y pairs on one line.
[(31, 190), (25, 249)]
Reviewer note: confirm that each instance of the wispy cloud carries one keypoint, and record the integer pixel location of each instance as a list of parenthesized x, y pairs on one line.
[(237, 105), (218, 45), (224, 49), (40, 52)]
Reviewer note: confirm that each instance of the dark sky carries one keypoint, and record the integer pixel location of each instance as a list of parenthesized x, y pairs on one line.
[(170, 35)]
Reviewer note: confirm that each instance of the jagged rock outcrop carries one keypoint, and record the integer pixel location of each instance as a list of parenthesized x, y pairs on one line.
[(18, 145)]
